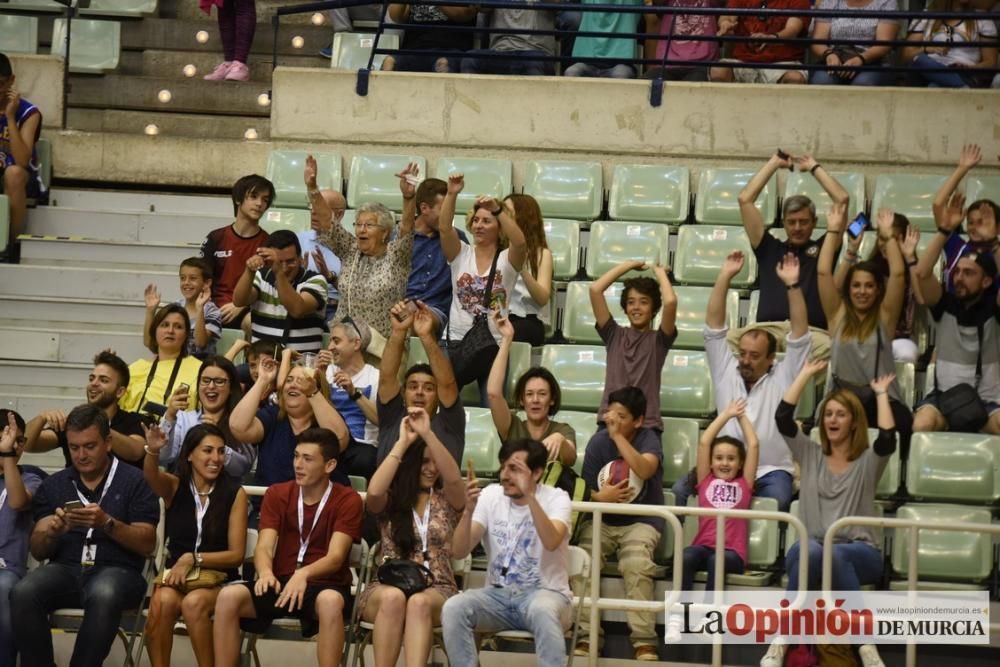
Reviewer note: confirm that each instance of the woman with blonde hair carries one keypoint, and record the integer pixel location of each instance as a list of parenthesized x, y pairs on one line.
[(947, 63)]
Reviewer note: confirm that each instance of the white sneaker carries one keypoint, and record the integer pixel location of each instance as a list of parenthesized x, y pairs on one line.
[(674, 626), (775, 656), (869, 656)]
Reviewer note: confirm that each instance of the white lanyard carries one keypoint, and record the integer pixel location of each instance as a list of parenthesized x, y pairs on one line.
[(199, 511), (104, 492), (512, 538), (423, 524), (3, 498), (304, 539)]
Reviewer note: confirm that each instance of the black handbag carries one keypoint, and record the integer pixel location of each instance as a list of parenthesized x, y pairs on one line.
[(477, 347), (406, 575), (962, 408)]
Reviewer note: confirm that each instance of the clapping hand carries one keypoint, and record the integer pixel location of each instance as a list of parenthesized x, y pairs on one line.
[(8, 439)]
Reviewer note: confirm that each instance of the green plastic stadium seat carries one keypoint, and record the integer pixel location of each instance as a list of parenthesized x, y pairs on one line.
[(585, 425), (373, 179), (43, 149), (947, 556), (888, 484), (691, 305), (226, 340), (611, 243), (717, 199), (578, 316), (285, 167), (906, 377), (483, 176), (482, 443), (351, 50), (955, 467), (126, 8), (519, 362), (702, 250), (909, 194), (566, 189), (563, 239), (295, 219), (96, 44), (762, 546), (680, 438), (19, 34), (38, 6), (686, 385), (982, 187), (580, 372), (650, 193), (801, 183)]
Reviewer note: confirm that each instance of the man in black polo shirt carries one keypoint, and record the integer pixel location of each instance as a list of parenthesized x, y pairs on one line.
[(105, 385), (799, 220), (429, 386), (95, 522)]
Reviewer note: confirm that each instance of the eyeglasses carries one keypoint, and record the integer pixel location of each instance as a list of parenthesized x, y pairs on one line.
[(366, 225), (218, 382)]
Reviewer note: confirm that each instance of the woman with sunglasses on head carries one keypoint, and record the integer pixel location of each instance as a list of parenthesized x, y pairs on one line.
[(218, 393), (206, 530), (374, 269), (841, 55), (947, 63)]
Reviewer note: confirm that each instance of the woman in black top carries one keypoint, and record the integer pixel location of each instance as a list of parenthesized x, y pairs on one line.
[(206, 529)]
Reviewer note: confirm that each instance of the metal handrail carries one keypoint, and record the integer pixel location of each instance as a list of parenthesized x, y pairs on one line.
[(914, 527)]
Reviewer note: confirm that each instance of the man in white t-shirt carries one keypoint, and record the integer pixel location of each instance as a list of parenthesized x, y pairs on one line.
[(526, 530)]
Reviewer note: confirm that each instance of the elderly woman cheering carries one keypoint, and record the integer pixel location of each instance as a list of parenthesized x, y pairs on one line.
[(374, 269)]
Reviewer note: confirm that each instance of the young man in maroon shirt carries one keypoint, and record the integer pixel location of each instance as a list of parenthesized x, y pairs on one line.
[(307, 527)]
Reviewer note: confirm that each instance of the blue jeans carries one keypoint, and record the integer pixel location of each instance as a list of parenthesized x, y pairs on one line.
[(542, 612), (940, 76), (776, 484), (620, 71), (698, 557), (103, 594), (474, 63), (869, 78), (8, 653), (855, 564)]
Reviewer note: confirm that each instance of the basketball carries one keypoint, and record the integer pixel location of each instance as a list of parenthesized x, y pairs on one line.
[(615, 472)]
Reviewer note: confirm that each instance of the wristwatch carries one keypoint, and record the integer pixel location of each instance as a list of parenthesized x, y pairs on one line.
[(198, 559), (109, 525), (356, 395), (10, 454)]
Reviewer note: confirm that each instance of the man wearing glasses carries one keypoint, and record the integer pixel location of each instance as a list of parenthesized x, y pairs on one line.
[(317, 256), (286, 300)]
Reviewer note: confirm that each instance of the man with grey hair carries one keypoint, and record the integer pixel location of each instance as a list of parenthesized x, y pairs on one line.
[(798, 217), (318, 257), (353, 384)]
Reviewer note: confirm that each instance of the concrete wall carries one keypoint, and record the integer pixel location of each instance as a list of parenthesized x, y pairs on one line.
[(40, 79)]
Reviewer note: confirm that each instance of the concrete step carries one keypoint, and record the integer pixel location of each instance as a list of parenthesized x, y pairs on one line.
[(78, 251), (169, 124), (168, 228), (66, 345), (82, 312), (32, 377), (34, 400), (160, 63), (179, 35), (117, 91), (152, 202), (84, 283)]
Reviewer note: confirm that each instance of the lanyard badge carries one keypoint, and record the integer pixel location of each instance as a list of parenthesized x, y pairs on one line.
[(89, 554)]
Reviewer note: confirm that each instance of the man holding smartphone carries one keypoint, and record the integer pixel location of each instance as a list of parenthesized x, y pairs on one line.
[(95, 523), (798, 217)]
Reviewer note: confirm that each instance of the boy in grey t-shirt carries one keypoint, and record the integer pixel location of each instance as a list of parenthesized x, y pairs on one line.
[(525, 45)]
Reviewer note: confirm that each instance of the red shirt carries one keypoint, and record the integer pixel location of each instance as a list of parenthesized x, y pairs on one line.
[(280, 512), (749, 24), (228, 253)]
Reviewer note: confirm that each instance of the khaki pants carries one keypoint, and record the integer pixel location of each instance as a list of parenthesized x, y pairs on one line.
[(635, 544), (780, 330)]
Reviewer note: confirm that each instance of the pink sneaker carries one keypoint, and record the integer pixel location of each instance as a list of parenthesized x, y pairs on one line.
[(238, 72), (220, 71)]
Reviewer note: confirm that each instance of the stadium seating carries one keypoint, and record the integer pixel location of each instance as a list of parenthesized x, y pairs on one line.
[(650, 193), (285, 169), (717, 201), (801, 183), (691, 305), (96, 45), (565, 189), (578, 316), (4, 221), (680, 446), (946, 560), (352, 50), (580, 372), (905, 377), (19, 34), (701, 251), (295, 219), (563, 238), (123, 8), (954, 467), (43, 150), (38, 5), (909, 194), (686, 385), (372, 179), (614, 242), (519, 362), (979, 187), (482, 443), (483, 176)]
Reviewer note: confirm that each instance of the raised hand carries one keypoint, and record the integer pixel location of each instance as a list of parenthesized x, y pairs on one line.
[(319, 262), (267, 255), (504, 326), (884, 220), (456, 183), (402, 316), (881, 383), (151, 296), (954, 213), (910, 243), (733, 263), (419, 421), (268, 371), (8, 439), (204, 296), (255, 263), (804, 162), (813, 367), (783, 162), (788, 269), (726, 25), (309, 173), (424, 321), (735, 408), (970, 156), (156, 439), (836, 217), (408, 180), (323, 360), (407, 434)]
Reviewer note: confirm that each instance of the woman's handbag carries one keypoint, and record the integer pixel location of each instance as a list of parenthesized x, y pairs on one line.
[(478, 346), (404, 574), (197, 577)]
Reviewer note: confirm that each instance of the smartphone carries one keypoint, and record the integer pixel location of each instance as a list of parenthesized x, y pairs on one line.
[(186, 387), (153, 408), (71, 505), (782, 154), (858, 227)]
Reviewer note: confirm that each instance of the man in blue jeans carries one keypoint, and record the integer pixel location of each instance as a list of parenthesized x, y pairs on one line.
[(525, 46), (526, 531), (95, 522)]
